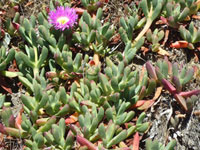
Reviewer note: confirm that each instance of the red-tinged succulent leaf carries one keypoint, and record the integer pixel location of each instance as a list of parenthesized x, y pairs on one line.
[(87, 103), (71, 119), (181, 101), (151, 70), (2, 12), (2, 129), (41, 121), (74, 128), (169, 86), (13, 132), (47, 10), (164, 20), (16, 8), (147, 104), (84, 142), (189, 93), (179, 44), (125, 148), (105, 1), (79, 10), (11, 121), (2, 33), (92, 63), (16, 25), (136, 141), (177, 83), (51, 74), (18, 120), (138, 104), (171, 22), (100, 3), (57, 3), (160, 76), (142, 92)]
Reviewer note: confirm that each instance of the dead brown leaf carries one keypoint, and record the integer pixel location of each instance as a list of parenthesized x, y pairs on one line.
[(196, 17), (158, 92)]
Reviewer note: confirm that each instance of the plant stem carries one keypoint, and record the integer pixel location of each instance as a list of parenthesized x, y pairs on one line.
[(146, 27), (36, 54), (35, 70)]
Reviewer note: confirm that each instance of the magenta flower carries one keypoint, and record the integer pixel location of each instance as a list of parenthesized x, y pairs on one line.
[(63, 18)]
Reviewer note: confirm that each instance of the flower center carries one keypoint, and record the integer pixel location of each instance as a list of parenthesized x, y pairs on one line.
[(62, 20)]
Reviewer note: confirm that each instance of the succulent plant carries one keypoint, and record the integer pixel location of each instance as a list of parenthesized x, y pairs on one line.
[(89, 121), (192, 35), (35, 56), (154, 38), (71, 68), (58, 136), (91, 5), (175, 13), (44, 132), (117, 113), (179, 10), (155, 145), (86, 102), (192, 5), (117, 83), (12, 25), (112, 134), (31, 60), (130, 51), (173, 78), (52, 39), (6, 58), (93, 35), (132, 85), (151, 10), (10, 124), (128, 25), (108, 134)]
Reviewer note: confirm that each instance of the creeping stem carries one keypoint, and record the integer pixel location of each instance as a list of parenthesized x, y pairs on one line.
[(146, 27), (35, 70)]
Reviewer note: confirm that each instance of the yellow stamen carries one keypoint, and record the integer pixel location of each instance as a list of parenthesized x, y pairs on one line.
[(62, 20)]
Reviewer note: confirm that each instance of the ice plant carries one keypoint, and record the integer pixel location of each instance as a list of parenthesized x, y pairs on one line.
[(63, 18)]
